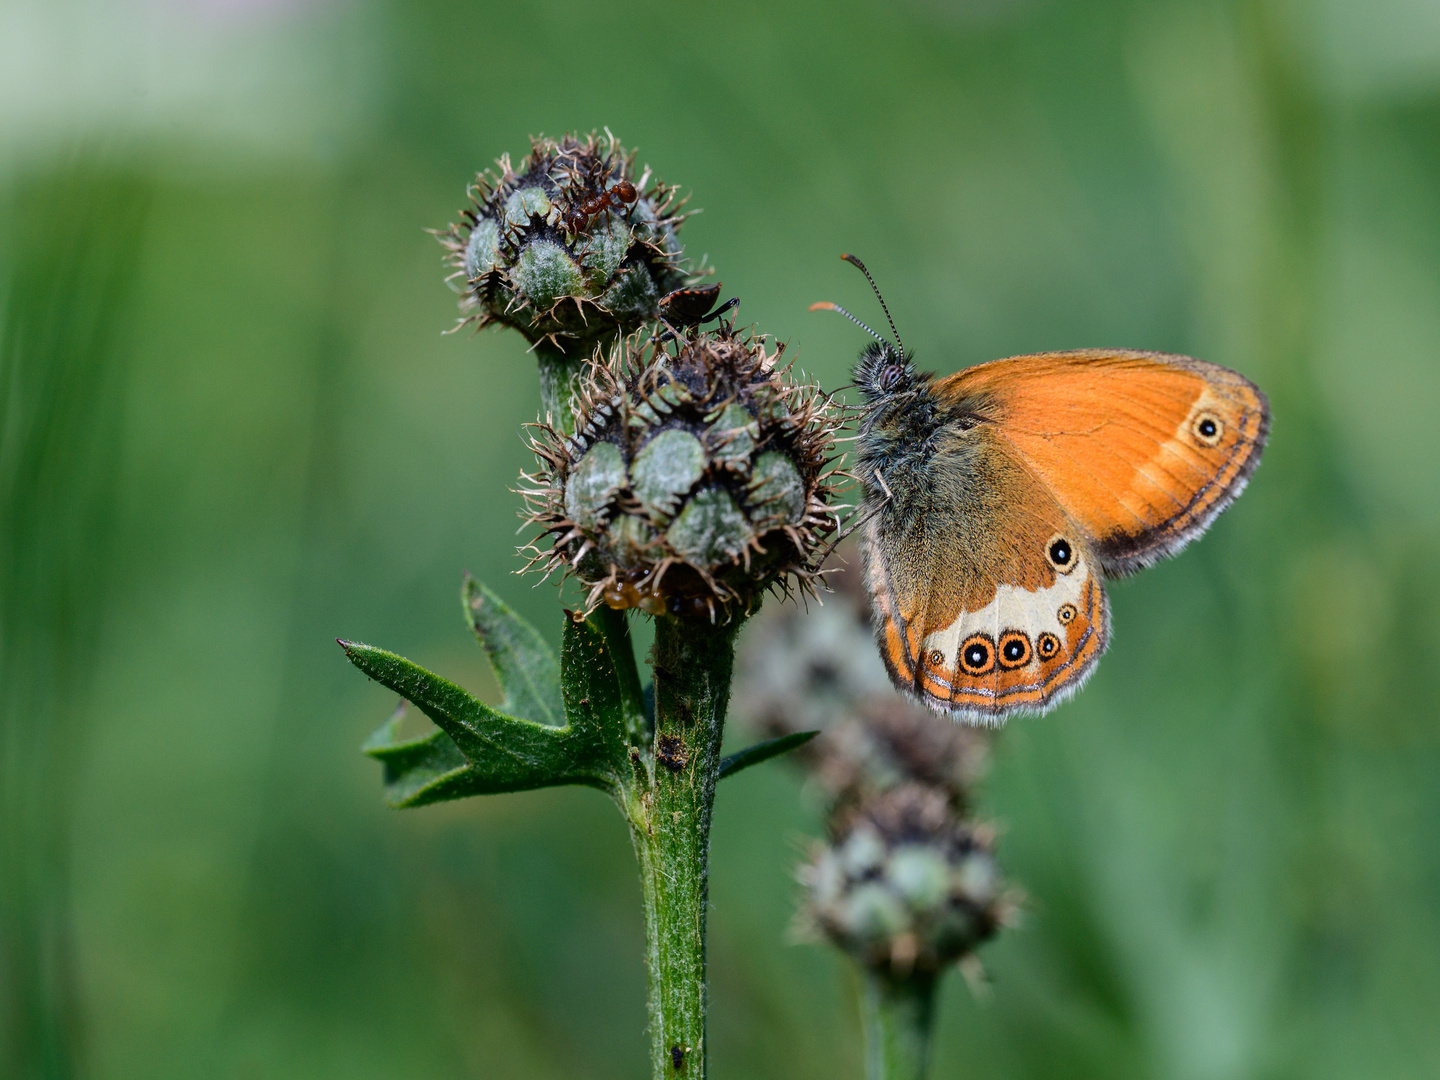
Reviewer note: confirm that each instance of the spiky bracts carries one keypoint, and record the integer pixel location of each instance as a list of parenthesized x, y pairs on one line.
[(573, 249), (693, 481), (905, 885)]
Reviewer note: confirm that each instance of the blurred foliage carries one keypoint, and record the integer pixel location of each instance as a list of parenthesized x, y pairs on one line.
[(63, 369), (232, 431)]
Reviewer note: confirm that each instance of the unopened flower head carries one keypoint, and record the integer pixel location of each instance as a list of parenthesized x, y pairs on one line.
[(572, 249), (905, 885), (693, 482)]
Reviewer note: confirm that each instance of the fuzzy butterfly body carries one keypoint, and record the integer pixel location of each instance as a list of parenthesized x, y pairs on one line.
[(998, 498)]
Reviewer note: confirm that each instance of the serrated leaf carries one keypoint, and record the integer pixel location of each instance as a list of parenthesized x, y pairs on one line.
[(504, 753), (763, 751), (418, 771), (429, 770), (480, 750), (524, 665)]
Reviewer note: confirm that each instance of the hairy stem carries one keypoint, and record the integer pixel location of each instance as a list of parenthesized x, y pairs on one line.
[(560, 376), (898, 1016), (669, 812)]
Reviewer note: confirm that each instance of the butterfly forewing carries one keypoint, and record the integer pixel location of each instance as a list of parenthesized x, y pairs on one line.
[(1142, 450)]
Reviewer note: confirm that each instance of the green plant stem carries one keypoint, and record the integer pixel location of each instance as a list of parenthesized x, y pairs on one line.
[(671, 794), (560, 376), (898, 1016), (669, 812)]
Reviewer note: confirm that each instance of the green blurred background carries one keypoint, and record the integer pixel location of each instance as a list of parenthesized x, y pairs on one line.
[(230, 430)]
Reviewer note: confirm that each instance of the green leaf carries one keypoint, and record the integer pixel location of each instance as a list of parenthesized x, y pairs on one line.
[(524, 665), (637, 717), (480, 750), (422, 770), (602, 698), (504, 753), (763, 751)]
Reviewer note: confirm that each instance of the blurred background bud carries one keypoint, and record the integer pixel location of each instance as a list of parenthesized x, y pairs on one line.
[(905, 885), (815, 669)]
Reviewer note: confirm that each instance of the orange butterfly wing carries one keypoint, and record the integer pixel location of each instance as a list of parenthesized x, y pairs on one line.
[(1142, 450), (1121, 457), (979, 612)]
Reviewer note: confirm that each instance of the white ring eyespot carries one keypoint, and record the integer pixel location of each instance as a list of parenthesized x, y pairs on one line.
[(1061, 553), (1047, 645), (1207, 428), (1015, 650), (977, 654)]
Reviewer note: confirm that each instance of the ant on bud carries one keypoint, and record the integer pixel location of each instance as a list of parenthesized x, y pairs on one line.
[(621, 195)]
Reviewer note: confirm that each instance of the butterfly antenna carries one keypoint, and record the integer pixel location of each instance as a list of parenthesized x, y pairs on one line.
[(852, 259), (826, 305)]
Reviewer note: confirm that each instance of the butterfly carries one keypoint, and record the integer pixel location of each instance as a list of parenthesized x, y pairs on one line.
[(998, 499)]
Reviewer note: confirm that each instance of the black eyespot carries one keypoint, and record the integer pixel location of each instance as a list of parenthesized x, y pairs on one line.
[(1047, 645), (1066, 614), (977, 654), (1014, 649), (890, 376), (1062, 555), (936, 658), (1207, 429)]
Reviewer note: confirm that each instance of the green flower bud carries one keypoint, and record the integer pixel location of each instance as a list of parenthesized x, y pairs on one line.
[(572, 249), (905, 884), (693, 481)]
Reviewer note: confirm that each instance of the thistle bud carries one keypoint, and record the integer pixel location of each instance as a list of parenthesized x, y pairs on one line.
[(572, 249), (905, 885), (692, 483)]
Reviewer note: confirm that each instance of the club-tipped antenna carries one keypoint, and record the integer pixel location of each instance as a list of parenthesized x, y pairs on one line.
[(852, 259), (826, 305)]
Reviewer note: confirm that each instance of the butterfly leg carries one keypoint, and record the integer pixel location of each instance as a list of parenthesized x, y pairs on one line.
[(848, 531), (879, 479)]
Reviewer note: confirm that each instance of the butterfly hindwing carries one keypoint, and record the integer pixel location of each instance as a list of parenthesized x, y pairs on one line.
[(986, 597), (1142, 450)]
